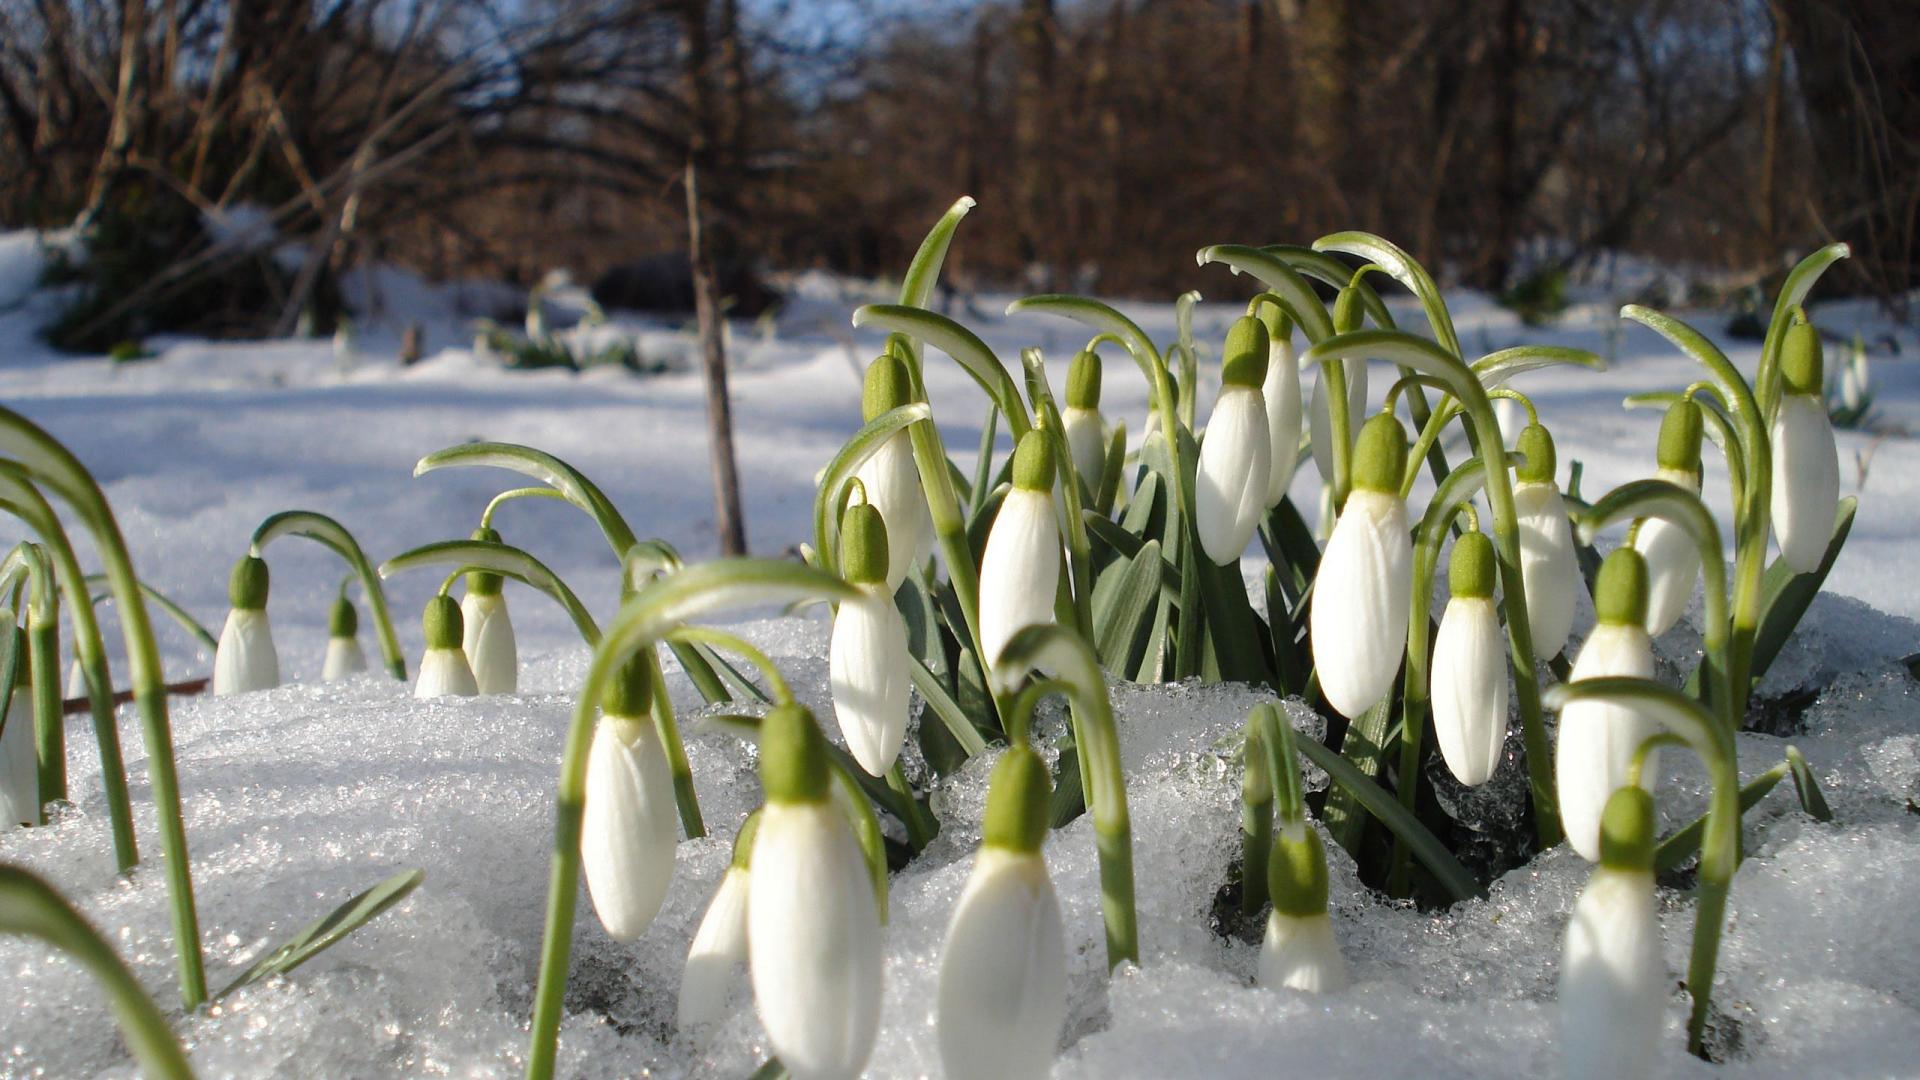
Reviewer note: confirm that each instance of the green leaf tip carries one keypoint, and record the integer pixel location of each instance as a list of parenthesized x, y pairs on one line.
[(1536, 444), (863, 545), (1017, 799), (1243, 360), (1626, 830), (1470, 569), (441, 623), (629, 693), (1620, 588), (1033, 462), (1380, 458), (1297, 872), (1802, 365), (247, 586), (1680, 433), (1083, 381), (887, 386), (793, 757)]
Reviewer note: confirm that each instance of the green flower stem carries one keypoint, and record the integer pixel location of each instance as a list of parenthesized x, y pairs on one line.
[(466, 556), (20, 498), (644, 618), (667, 726), (1256, 821), (30, 907), (493, 506), (746, 650), (1424, 356), (51, 463), (1720, 852), (1800, 281), (1647, 746), (1456, 493), (1079, 565), (920, 827), (570, 482), (43, 654), (1058, 649), (331, 535)]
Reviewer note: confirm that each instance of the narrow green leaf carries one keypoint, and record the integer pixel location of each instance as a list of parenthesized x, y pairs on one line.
[(1496, 368), (960, 343), (1123, 619), (1403, 268), (1285, 282), (1785, 595), (97, 584), (544, 467), (503, 559), (941, 703), (924, 272), (1808, 788), (1378, 801), (326, 932)]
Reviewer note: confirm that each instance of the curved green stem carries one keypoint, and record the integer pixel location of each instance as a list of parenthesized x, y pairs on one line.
[(333, 536), (52, 464), (570, 482), (1638, 766), (486, 516), (840, 472), (1800, 281), (706, 635), (465, 556)]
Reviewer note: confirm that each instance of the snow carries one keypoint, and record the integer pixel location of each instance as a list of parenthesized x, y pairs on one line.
[(299, 797)]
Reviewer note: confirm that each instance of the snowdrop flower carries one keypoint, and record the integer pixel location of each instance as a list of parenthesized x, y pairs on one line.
[(1299, 951), (1236, 454), (867, 657), (720, 944), (487, 634), (1358, 622), (1021, 567), (444, 669), (1856, 381), (1613, 980), (245, 659), (1086, 430), (628, 829), (1806, 465), (1282, 393), (813, 927), (1597, 739), (1346, 317), (1549, 567), (344, 657), (19, 761), (1673, 560), (1470, 667), (1003, 969), (891, 479)]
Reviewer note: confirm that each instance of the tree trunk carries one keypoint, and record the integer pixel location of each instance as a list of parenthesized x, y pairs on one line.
[(1032, 112)]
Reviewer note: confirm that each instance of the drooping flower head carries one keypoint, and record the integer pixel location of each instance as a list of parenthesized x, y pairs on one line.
[(867, 656), (1236, 452), (1086, 429), (1470, 667), (487, 634), (245, 658), (1612, 975), (890, 478), (813, 927), (344, 655), (628, 828), (1003, 974), (1598, 739), (1358, 621), (444, 670), (1299, 951), (1673, 562), (720, 944), (1549, 565), (1021, 567), (1806, 464)]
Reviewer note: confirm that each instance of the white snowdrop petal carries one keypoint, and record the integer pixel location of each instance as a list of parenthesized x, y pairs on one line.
[(1230, 482), (892, 483), (1469, 691), (719, 946), (1019, 571), (1003, 975), (445, 673), (19, 764), (867, 670), (1673, 566), (1281, 391), (628, 830), (813, 939), (1612, 979), (1806, 481), (1358, 621), (1320, 420), (245, 659), (1549, 565), (1301, 953), (1086, 443), (487, 639), (76, 680), (1597, 739), (344, 658)]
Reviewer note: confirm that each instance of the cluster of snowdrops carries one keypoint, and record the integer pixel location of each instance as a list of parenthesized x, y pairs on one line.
[(1083, 557)]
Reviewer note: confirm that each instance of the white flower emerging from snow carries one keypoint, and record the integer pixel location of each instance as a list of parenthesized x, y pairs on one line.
[(1549, 567), (1806, 464), (1300, 951), (890, 478), (344, 657), (628, 829), (1021, 567), (1086, 430), (1281, 390), (867, 657), (1612, 975), (487, 631), (1673, 561), (19, 762), (1358, 622), (1469, 690), (1003, 968), (1236, 452), (245, 659), (1598, 740), (720, 944), (813, 926), (444, 670)]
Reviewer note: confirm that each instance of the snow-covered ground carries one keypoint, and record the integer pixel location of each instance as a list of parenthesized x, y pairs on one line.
[(300, 796)]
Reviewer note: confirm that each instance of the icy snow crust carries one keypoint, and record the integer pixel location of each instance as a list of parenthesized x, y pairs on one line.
[(299, 797)]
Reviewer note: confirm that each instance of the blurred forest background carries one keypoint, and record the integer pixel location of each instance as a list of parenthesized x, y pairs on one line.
[(1502, 141)]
